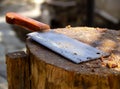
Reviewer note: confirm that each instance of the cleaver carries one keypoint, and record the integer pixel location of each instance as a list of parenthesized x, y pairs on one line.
[(65, 46)]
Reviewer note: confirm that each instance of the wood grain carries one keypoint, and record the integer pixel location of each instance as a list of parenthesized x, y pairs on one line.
[(18, 74)]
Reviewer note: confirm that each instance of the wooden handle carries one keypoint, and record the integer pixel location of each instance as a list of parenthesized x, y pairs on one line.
[(30, 24)]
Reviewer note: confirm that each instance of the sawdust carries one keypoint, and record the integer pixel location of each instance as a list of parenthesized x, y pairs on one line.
[(101, 38)]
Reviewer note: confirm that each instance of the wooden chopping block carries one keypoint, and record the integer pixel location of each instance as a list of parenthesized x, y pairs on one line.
[(49, 70)]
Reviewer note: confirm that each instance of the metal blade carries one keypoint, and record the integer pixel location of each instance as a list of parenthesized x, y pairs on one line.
[(71, 49)]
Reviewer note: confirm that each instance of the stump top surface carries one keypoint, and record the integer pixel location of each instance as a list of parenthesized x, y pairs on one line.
[(104, 39)]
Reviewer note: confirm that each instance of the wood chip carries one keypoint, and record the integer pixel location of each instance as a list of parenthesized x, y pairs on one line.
[(111, 64), (68, 26)]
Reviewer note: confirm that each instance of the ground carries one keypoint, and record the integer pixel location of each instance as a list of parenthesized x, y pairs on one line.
[(8, 40)]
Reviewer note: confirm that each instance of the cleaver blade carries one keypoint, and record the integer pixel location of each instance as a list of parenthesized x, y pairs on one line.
[(67, 47)]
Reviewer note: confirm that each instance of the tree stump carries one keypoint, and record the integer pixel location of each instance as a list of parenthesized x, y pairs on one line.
[(18, 70), (52, 71)]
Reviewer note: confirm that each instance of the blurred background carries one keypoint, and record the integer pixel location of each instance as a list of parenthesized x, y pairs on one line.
[(56, 13)]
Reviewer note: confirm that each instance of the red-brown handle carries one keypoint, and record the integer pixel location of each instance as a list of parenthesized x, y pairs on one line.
[(30, 24)]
